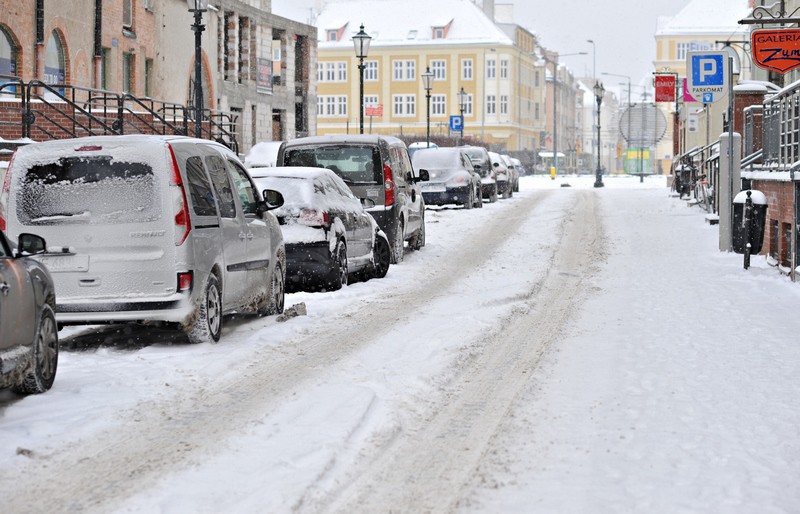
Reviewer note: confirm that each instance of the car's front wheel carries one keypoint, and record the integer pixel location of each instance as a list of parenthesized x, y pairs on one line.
[(206, 323), (44, 356)]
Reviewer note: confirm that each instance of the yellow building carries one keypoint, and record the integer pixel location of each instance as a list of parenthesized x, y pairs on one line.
[(497, 67)]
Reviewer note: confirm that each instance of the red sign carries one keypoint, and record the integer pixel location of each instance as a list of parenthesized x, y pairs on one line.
[(777, 50), (373, 110), (665, 88)]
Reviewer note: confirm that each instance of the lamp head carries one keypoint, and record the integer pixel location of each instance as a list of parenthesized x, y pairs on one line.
[(361, 43), (197, 5)]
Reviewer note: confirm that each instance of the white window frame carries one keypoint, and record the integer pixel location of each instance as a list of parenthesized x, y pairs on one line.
[(504, 69), (439, 69), (491, 104), (370, 71), (491, 68), (467, 69), (468, 105), (341, 71), (397, 70), (438, 105), (503, 104)]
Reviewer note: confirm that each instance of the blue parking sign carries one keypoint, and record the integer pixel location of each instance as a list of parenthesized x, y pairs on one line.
[(456, 123), (708, 70)]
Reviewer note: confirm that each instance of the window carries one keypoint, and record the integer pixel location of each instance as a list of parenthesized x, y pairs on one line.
[(404, 105), (332, 71), (439, 68), (8, 54), (200, 188), (438, 32), (127, 72), (341, 105), (332, 105), (371, 71), (438, 105), (219, 178), (503, 104), (466, 69), (371, 101), (468, 104), (320, 72), (404, 70), (693, 46), (148, 77), (341, 72), (105, 57), (332, 35), (536, 111), (54, 69), (491, 104), (536, 79), (248, 196), (504, 68), (491, 69), (127, 14)]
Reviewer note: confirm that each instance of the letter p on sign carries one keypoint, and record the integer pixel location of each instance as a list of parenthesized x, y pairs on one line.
[(708, 70)]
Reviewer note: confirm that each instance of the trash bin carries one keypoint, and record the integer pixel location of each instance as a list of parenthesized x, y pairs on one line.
[(758, 221)]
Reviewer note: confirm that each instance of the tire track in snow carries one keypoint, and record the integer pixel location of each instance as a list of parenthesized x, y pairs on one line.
[(178, 430), (429, 466)]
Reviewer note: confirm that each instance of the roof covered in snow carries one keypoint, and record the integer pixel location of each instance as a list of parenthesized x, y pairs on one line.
[(412, 22), (707, 17)]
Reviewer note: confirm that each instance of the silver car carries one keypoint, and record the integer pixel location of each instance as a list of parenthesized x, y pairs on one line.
[(28, 335), (153, 228)]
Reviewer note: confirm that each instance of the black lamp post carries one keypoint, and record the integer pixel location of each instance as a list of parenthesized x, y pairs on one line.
[(427, 82), (198, 7), (462, 100), (361, 43), (599, 92)]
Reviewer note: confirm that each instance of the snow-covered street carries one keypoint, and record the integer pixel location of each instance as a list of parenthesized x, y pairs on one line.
[(570, 349)]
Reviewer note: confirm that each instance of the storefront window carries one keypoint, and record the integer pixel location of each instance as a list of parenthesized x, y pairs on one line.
[(54, 69)]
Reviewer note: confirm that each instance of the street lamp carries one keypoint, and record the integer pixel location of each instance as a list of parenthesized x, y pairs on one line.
[(599, 92), (361, 44), (462, 101), (198, 7), (427, 82)]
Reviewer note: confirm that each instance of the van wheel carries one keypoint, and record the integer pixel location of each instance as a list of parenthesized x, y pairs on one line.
[(206, 324), (277, 292), (44, 356), (398, 252)]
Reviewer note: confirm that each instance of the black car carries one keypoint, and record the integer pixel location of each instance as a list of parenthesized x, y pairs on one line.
[(377, 169), (452, 177), (28, 332), (483, 166), (329, 236)]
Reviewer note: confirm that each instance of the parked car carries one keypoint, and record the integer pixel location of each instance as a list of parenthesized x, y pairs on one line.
[(419, 145), (483, 166), (451, 177), (28, 333), (503, 175), (262, 155), (521, 172), (156, 228), (328, 234), (513, 172), (375, 168)]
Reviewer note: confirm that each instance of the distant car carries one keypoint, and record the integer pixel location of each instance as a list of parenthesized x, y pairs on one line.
[(263, 154), (420, 145), (451, 177), (513, 172), (521, 171), (504, 181), (28, 333), (166, 229), (328, 234), (482, 164), (375, 168)]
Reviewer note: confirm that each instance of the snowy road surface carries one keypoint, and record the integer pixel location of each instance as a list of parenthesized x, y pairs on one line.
[(567, 350)]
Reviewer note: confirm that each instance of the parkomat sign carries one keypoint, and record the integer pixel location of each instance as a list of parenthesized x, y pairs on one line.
[(777, 50), (665, 88), (707, 74)]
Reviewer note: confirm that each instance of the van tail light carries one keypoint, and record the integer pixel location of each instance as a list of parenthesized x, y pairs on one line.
[(4, 193), (314, 218), (183, 223), (388, 185), (185, 281)]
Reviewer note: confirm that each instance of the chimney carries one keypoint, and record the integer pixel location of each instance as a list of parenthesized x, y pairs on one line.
[(488, 9)]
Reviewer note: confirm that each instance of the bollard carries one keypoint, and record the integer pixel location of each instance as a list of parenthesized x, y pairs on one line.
[(552, 172), (747, 220)]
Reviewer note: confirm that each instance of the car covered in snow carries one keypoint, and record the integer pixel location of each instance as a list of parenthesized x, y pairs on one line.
[(482, 164), (164, 229), (452, 178), (328, 234), (262, 155), (504, 180), (28, 333)]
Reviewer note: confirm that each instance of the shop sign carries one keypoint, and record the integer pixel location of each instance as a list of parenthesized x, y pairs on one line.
[(776, 50), (665, 88)]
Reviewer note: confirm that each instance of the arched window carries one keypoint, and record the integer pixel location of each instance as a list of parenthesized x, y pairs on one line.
[(8, 54), (54, 68)]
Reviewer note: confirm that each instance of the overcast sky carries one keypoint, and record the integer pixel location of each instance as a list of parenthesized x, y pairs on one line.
[(623, 31)]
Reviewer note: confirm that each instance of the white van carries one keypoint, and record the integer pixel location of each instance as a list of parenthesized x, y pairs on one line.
[(147, 228)]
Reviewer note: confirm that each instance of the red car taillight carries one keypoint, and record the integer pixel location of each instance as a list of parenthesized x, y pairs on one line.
[(183, 223), (4, 193), (314, 218), (388, 185), (185, 281)]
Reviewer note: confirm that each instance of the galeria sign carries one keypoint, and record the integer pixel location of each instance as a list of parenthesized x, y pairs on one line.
[(777, 50)]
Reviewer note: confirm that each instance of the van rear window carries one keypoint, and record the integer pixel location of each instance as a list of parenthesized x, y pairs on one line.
[(88, 190), (355, 164)]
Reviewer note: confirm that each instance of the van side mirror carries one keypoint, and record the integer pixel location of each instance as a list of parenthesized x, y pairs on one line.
[(272, 198), (30, 244)]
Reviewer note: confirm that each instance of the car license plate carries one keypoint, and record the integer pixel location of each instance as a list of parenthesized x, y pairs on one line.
[(433, 188), (64, 263)]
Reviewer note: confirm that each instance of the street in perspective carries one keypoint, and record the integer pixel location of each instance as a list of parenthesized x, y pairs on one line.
[(362, 256)]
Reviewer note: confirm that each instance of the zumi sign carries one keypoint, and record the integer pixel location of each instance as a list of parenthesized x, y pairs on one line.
[(707, 74), (777, 50)]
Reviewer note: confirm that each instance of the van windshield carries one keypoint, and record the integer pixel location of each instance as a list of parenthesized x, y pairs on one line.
[(88, 190), (355, 164)]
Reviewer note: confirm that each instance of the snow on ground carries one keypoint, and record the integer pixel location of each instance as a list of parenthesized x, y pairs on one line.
[(673, 391)]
